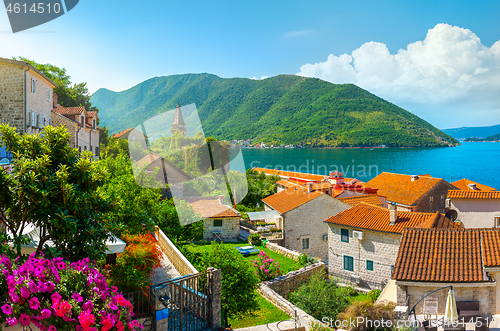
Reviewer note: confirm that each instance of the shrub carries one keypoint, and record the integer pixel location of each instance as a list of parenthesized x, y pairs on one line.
[(265, 267), (320, 297), (374, 294), (305, 260), (254, 239), (135, 265), (52, 294), (369, 312), (350, 291)]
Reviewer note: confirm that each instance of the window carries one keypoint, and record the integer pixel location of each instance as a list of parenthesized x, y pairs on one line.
[(85, 147), (33, 85), (44, 120), (217, 223), (93, 123), (442, 196), (497, 221), (348, 263), (96, 151), (431, 199), (369, 265), (47, 94), (83, 120), (305, 243), (344, 235), (392, 269), (91, 148), (80, 149)]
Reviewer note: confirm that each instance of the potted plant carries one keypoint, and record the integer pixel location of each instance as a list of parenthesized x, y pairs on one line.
[(255, 239)]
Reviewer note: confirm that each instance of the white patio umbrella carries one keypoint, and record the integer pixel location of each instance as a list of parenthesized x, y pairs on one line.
[(451, 313)]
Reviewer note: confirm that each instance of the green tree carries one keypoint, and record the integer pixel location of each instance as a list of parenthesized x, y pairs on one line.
[(69, 94), (321, 298), (55, 190), (238, 281), (259, 186), (168, 221)]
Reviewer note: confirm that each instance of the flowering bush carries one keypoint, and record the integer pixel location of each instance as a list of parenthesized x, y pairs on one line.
[(265, 267), (135, 265), (54, 295)]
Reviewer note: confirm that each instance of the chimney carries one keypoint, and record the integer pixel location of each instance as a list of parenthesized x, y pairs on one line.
[(221, 199), (309, 187), (414, 178), (393, 214), (472, 186), (54, 101)]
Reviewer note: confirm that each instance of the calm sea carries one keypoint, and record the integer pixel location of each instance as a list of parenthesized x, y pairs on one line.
[(475, 161)]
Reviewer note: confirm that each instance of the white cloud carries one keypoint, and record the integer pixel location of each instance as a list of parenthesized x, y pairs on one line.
[(263, 77), (450, 64), (299, 33)]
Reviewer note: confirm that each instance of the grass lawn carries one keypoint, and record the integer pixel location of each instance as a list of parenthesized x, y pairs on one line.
[(266, 313), (286, 264)]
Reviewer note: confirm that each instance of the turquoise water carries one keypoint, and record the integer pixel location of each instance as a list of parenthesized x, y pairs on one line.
[(475, 161)]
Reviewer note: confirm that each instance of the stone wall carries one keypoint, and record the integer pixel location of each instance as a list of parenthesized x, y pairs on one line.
[(181, 264), (39, 101), (438, 194), (486, 295), (230, 228), (379, 247), (288, 283), (307, 222), (12, 107), (283, 251), (72, 126)]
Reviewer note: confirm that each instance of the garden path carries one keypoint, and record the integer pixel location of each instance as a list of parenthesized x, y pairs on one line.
[(165, 272)]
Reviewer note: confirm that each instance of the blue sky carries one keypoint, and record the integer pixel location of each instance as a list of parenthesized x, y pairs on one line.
[(449, 75)]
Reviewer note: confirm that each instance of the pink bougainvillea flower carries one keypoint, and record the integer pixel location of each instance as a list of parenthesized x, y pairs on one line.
[(34, 303), (24, 319), (7, 309), (46, 313)]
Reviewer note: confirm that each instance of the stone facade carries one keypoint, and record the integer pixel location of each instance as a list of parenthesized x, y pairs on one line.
[(283, 251), (434, 199), (22, 90), (72, 126), (486, 295), (230, 228), (12, 106), (306, 222), (288, 283), (378, 247)]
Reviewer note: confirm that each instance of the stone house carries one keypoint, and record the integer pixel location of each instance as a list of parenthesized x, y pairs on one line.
[(302, 215), (25, 96), (474, 209), (467, 259), (220, 220), (82, 124), (363, 241), (413, 193)]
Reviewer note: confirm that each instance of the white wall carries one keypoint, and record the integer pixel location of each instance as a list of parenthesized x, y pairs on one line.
[(477, 213)]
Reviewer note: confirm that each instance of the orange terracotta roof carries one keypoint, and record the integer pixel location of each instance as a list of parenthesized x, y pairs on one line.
[(399, 188), (439, 221), (150, 158), (290, 198), (286, 183), (463, 184), (370, 217), (370, 199), (459, 194), (211, 207), (490, 240), (69, 110), (440, 255), (293, 174), (92, 114), (118, 135)]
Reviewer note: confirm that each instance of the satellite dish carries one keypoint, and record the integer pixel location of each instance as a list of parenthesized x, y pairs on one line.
[(452, 215)]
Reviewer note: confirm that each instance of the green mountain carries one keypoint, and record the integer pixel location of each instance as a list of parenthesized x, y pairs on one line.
[(479, 131), (285, 109)]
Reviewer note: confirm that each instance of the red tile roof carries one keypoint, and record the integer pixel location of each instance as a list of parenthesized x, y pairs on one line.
[(92, 114), (290, 198), (463, 184), (370, 217), (490, 239), (459, 194), (439, 221), (287, 184), (370, 199), (400, 188), (69, 110), (298, 175), (211, 207), (440, 255), (118, 135)]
